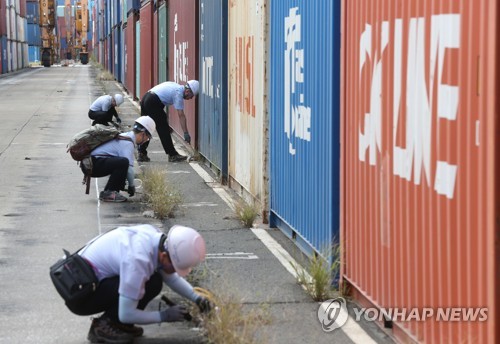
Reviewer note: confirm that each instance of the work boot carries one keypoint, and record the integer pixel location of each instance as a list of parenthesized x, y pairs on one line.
[(135, 331), (176, 158), (143, 157), (102, 331)]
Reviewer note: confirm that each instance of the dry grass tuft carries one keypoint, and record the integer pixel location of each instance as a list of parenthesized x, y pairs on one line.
[(318, 278), (159, 195), (229, 323), (246, 213)]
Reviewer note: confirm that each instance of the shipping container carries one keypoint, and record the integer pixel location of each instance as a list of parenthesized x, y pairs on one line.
[(183, 57), (116, 13), (1, 57), (420, 165), (155, 46), (11, 24), (34, 54), (162, 44), (133, 6), (212, 99), (124, 11), (13, 55), (117, 54), (146, 51), (22, 8), (138, 94), (5, 61), (3, 19), (32, 12), (21, 28), (33, 35), (130, 53), (305, 122), (247, 110)]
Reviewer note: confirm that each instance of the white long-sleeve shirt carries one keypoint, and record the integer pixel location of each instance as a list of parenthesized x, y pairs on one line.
[(132, 254)]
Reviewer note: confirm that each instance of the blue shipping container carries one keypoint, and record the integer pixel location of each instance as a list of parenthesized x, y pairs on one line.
[(33, 34), (305, 122), (33, 53), (133, 5), (117, 54), (3, 46), (212, 100), (32, 12)]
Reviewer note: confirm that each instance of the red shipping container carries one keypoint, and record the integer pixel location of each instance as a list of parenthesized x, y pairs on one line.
[(420, 164), (155, 47), (183, 57), (146, 19), (22, 8), (129, 32)]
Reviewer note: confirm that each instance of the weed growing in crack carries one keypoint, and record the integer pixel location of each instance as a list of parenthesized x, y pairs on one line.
[(162, 197)]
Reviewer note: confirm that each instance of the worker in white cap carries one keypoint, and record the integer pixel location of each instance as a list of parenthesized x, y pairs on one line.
[(103, 109), (153, 104), (115, 159), (131, 264)]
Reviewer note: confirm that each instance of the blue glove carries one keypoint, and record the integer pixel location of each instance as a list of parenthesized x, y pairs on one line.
[(187, 138), (174, 313)]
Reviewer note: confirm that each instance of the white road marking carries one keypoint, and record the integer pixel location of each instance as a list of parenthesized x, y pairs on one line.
[(231, 255)]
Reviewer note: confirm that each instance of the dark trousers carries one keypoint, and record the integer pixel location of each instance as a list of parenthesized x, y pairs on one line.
[(114, 167), (102, 117), (105, 298), (152, 106)]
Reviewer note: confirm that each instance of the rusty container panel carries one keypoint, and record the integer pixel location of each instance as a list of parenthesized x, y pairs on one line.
[(247, 110), (183, 58), (22, 8), (146, 51), (3, 19), (420, 163)]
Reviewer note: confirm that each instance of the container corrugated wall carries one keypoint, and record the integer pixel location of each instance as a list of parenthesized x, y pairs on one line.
[(162, 44), (3, 47), (146, 19), (305, 121), (155, 46), (138, 94), (212, 100), (420, 162), (183, 57), (3, 17), (247, 111), (130, 43)]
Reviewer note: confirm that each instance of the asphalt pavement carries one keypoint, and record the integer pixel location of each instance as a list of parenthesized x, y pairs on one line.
[(251, 266)]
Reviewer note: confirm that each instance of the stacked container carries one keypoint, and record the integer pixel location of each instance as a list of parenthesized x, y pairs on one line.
[(183, 56), (212, 99), (13, 28), (247, 109), (304, 122), (420, 164), (33, 31)]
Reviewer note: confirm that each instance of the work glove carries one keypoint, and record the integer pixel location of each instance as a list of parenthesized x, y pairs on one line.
[(204, 305), (187, 138), (131, 190), (174, 313), (118, 120)]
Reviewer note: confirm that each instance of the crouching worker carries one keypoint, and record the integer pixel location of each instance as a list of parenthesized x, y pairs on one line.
[(132, 263), (115, 159), (103, 109)]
